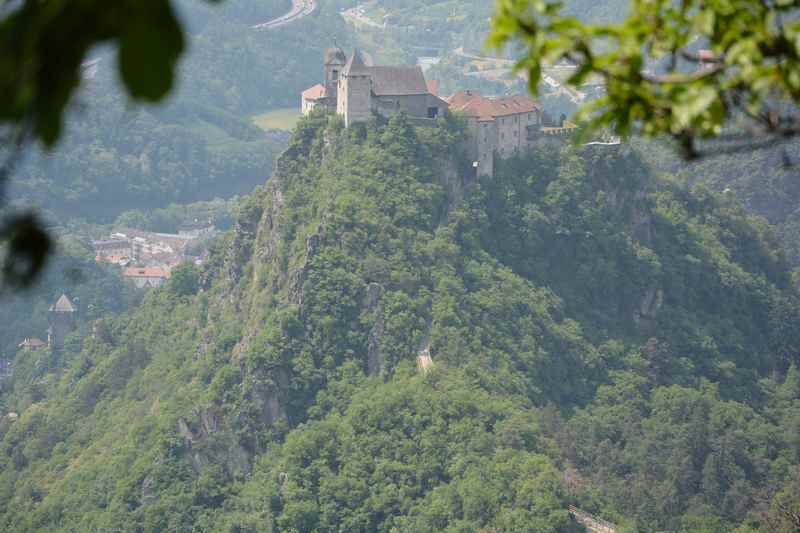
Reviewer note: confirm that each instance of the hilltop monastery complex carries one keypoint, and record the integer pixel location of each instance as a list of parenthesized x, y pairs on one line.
[(498, 126)]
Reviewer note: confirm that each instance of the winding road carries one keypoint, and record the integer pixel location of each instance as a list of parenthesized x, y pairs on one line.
[(300, 9)]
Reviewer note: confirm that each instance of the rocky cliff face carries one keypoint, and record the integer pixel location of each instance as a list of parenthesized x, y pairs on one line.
[(275, 260)]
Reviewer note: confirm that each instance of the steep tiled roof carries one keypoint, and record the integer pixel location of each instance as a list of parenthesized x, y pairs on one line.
[(355, 65), (511, 105), (433, 87), (63, 305), (314, 93), (460, 98), (473, 104), (397, 80), (145, 272)]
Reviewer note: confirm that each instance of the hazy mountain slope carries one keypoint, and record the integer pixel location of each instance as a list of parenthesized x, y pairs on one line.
[(199, 144)]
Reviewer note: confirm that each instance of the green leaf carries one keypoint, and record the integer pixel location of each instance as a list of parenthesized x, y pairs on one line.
[(149, 49)]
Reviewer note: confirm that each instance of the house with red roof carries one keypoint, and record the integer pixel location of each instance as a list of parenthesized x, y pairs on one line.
[(146, 277), (32, 343), (500, 126)]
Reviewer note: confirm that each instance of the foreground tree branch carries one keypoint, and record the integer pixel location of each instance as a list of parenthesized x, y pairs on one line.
[(688, 71)]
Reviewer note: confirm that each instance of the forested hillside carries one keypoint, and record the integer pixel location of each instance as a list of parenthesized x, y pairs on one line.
[(98, 289), (598, 337), (765, 181), (198, 145)]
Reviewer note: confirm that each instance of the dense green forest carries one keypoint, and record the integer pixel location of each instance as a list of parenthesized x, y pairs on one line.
[(609, 327), (765, 181), (600, 336)]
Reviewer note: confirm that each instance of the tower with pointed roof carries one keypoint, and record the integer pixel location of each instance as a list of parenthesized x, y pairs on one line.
[(354, 101), (62, 318)]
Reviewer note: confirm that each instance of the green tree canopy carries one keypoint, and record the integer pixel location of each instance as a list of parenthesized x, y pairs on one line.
[(687, 69)]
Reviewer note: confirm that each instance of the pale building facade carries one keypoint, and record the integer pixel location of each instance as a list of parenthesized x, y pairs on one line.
[(499, 126)]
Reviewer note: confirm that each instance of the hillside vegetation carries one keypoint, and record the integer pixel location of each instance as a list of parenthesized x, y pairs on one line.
[(599, 337)]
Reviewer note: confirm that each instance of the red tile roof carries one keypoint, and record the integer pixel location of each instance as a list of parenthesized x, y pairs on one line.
[(433, 87), (146, 272), (474, 104), (33, 342), (314, 93)]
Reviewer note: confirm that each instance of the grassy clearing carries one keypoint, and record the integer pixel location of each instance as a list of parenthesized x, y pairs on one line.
[(278, 119)]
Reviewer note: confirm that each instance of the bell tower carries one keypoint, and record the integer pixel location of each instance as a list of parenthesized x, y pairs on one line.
[(334, 65)]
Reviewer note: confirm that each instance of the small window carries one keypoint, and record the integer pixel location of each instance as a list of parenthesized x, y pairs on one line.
[(335, 75), (433, 112), (516, 119)]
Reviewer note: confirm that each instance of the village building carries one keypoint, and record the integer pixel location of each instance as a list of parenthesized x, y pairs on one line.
[(146, 277), (354, 90), (114, 250), (32, 343), (63, 319), (152, 249)]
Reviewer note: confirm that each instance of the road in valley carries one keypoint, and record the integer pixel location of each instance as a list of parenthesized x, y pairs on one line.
[(300, 9)]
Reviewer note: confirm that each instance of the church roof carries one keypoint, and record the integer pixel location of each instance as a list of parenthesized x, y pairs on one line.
[(355, 65), (335, 56), (314, 93), (397, 80), (63, 305)]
